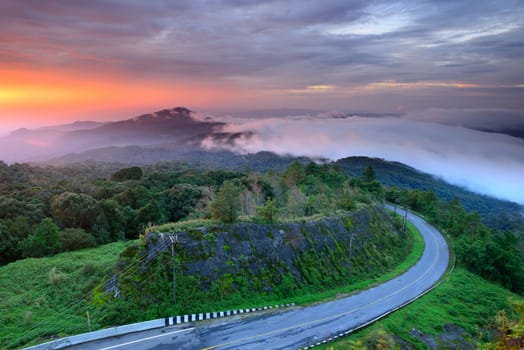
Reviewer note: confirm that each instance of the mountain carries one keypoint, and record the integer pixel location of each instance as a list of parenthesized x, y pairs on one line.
[(173, 129)]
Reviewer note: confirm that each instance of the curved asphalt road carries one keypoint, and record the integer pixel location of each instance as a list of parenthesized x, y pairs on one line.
[(299, 327)]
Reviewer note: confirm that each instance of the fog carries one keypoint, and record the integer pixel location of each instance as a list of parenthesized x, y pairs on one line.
[(487, 163)]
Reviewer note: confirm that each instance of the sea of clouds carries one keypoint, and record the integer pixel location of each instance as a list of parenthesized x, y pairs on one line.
[(487, 163)]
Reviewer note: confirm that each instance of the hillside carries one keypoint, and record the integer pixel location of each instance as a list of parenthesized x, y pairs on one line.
[(450, 317), (500, 214), (47, 297), (219, 263)]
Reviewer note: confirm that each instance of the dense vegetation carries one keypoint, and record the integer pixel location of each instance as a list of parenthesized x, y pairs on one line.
[(48, 297), (223, 265), (465, 312), (44, 211), (498, 214), (48, 210), (496, 256)]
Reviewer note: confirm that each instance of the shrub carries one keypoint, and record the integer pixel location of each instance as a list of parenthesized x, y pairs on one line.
[(28, 317), (75, 239), (88, 269), (380, 340), (43, 241), (55, 277)]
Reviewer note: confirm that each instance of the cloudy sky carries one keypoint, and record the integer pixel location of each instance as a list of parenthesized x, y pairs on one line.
[(457, 63), (63, 60)]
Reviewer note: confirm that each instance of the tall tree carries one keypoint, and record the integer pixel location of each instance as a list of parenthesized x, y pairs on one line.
[(75, 210), (268, 212), (226, 204), (45, 240), (369, 174)]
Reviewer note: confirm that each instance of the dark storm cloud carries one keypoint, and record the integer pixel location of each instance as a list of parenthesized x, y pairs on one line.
[(295, 40)]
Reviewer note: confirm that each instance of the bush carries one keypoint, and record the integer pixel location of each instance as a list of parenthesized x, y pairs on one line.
[(379, 339), (43, 241), (55, 277), (28, 317), (88, 269), (75, 239)]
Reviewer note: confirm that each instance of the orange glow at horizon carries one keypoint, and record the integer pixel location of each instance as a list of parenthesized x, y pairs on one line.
[(56, 90), (49, 96)]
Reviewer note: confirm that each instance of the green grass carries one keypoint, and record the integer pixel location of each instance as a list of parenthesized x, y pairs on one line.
[(42, 305), (45, 298), (183, 226), (465, 300)]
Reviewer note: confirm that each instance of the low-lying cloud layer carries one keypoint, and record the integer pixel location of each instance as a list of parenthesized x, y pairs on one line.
[(487, 163)]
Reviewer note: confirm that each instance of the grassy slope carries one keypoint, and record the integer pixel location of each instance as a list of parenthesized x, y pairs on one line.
[(34, 309), (465, 300), (59, 310)]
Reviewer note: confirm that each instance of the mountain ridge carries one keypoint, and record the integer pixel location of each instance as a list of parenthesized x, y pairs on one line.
[(176, 126)]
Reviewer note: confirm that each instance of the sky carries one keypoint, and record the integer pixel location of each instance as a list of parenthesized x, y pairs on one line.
[(441, 65), (104, 60)]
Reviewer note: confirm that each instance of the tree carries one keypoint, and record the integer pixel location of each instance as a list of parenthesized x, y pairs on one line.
[(226, 204), (113, 217), (76, 210), (248, 203), (151, 213), (268, 212), (8, 246), (181, 200), (369, 174), (135, 197), (296, 202), (12, 232), (45, 240), (295, 173), (132, 173)]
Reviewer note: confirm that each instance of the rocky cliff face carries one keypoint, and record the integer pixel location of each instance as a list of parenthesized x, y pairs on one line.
[(269, 259)]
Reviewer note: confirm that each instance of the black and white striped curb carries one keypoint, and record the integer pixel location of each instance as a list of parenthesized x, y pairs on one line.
[(174, 320), (144, 326), (328, 340)]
